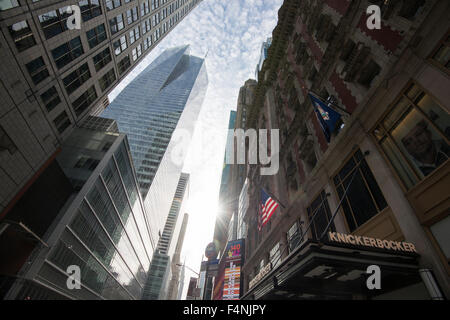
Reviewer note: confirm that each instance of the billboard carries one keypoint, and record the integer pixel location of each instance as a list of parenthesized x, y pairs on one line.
[(228, 280)]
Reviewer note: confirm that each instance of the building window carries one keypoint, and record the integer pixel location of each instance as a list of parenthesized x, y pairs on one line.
[(136, 52), (37, 70), (6, 143), (107, 79), (124, 64), (145, 8), (275, 256), (96, 35), (146, 26), (120, 45), (134, 35), (54, 22), (67, 52), (147, 43), (116, 24), (132, 15), (62, 122), (90, 9), (8, 4), (294, 236), (320, 211), (86, 163), (441, 55), (415, 135), (368, 73), (84, 101), (112, 4), (410, 8), (50, 98), (22, 35), (364, 198), (102, 59), (76, 78)]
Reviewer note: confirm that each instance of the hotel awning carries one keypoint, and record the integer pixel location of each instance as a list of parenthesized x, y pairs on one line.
[(335, 271)]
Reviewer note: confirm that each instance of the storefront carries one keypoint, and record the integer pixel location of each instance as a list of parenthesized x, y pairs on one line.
[(338, 269)]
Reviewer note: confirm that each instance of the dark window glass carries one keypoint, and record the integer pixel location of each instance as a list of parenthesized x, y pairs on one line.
[(124, 64), (102, 59), (37, 70), (76, 78), (62, 122), (22, 35), (90, 9), (107, 79), (84, 101), (50, 98), (364, 198), (67, 52), (319, 215), (96, 35), (54, 22)]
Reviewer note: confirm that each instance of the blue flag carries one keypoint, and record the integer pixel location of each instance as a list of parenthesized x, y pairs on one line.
[(328, 118)]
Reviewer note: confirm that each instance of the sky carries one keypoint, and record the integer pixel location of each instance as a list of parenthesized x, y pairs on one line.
[(230, 34)]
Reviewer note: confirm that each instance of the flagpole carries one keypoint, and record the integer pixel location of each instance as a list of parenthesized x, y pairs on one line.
[(329, 103), (343, 196), (270, 194)]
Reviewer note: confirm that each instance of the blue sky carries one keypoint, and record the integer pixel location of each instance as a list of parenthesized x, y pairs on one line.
[(231, 31)]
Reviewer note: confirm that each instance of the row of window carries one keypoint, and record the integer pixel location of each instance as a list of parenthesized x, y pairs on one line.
[(55, 22), (414, 135)]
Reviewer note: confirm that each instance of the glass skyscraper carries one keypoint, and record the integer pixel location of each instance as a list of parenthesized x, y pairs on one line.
[(167, 95), (160, 272), (102, 229)]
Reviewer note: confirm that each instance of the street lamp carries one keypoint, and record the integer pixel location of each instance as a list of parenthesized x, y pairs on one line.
[(185, 266)]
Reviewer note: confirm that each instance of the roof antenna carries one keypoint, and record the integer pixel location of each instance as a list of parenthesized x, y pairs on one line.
[(206, 54)]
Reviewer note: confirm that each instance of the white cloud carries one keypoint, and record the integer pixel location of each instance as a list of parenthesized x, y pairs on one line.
[(232, 32)]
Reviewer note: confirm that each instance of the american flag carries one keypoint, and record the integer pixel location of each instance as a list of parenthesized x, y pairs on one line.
[(268, 207)]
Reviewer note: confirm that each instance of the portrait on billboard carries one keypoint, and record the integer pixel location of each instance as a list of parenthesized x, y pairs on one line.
[(421, 143)]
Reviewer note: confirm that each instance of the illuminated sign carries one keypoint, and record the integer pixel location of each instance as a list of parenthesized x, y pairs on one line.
[(264, 271), (228, 279), (371, 242), (231, 286)]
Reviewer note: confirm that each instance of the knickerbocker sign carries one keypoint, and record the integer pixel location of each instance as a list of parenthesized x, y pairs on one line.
[(371, 242), (260, 275)]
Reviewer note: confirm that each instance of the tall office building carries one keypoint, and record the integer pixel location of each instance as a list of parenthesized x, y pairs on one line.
[(101, 228), (160, 273), (176, 284), (167, 95), (264, 53), (55, 76)]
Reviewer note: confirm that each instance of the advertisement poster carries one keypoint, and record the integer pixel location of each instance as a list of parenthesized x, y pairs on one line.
[(228, 280)]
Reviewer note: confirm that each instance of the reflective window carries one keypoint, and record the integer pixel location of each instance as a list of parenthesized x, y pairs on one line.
[(37, 70), (319, 215), (414, 135), (76, 78), (22, 35), (67, 52), (363, 199), (96, 35), (50, 98)]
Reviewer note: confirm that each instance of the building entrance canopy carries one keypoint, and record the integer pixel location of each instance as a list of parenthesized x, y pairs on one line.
[(332, 270)]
